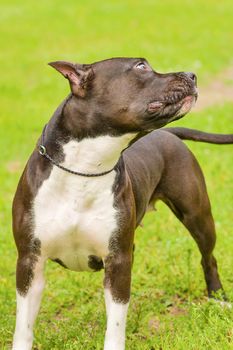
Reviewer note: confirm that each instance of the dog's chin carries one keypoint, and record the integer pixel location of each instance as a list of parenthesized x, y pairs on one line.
[(186, 105)]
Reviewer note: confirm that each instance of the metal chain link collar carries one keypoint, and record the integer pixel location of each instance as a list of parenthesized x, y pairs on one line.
[(43, 152)]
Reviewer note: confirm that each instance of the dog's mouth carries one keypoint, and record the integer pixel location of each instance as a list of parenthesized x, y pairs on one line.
[(186, 104), (181, 105), (167, 110)]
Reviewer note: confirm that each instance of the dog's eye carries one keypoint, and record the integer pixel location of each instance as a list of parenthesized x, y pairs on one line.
[(141, 66)]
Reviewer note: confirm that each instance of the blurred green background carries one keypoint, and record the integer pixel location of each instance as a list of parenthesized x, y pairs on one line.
[(168, 310)]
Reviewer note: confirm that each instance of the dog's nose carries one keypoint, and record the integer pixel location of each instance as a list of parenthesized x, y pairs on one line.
[(191, 76)]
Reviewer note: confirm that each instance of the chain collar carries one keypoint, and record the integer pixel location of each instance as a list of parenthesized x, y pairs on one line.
[(43, 152)]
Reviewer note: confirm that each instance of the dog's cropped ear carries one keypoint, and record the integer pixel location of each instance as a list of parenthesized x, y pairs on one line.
[(78, 75)]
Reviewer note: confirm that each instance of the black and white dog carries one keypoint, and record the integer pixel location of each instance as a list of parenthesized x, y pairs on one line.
[(81, 197)]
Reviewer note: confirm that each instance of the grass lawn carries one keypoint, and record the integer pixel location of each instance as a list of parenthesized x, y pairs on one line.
[(169, 309)]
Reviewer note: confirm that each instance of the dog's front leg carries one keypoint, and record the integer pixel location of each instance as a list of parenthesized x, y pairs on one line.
[(117, 294), (30, 284)]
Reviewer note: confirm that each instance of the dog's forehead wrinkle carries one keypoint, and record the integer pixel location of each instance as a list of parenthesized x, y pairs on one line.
[(118, 63)]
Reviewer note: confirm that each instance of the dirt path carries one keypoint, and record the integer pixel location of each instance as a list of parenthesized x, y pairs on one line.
[(219, 90)]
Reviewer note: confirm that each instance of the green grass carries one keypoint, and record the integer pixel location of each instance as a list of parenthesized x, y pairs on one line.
[(168, 309)]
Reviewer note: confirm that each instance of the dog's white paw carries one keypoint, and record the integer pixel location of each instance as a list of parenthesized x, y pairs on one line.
[(223, 304)]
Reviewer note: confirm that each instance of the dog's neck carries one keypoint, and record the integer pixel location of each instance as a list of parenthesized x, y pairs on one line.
[(87, 146), (95, 155), (81, 119)]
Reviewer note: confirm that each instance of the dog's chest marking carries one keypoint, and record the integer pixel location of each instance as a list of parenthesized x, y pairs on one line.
[(74, 216)]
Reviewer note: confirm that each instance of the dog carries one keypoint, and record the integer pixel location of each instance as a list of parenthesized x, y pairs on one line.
[(96, 168)]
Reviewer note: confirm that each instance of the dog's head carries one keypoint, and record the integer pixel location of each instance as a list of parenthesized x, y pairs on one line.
[(126, 95)]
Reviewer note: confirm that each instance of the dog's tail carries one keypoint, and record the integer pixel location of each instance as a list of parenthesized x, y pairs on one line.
[(200, 136)]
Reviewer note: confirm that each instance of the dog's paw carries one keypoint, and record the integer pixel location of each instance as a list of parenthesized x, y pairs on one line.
[(223, 304)]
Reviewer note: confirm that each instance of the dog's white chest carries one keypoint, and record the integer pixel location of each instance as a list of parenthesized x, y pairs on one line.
[(74, 216)]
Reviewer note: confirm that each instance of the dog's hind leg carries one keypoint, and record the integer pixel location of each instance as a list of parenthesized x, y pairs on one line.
[(184, 191), (30, 284), (200, 223), (201, 226)]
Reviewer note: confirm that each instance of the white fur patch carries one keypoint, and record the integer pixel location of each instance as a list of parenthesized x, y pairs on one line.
[(116, 323), (27, 309), (74, 216)]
